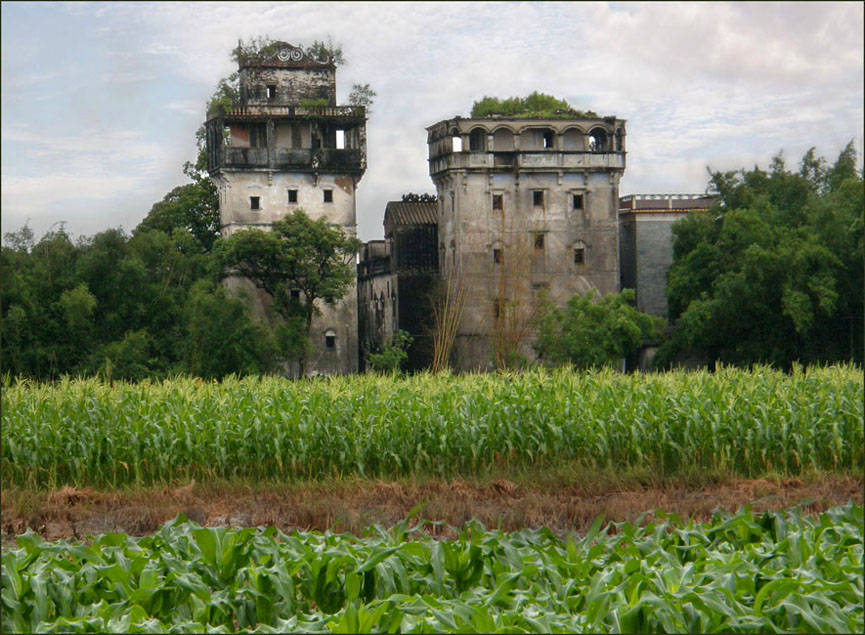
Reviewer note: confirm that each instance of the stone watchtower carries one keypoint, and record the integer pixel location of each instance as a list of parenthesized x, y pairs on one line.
[(527, 211), (285, 145)]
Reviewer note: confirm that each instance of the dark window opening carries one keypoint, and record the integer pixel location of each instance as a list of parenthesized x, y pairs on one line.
[(292, 196), (328, 196), (539, 241), (271, 91), (578, 201), (477, 140), (538, 198), (295, 294), (549, 139), (328, 299), (579, 256), (497, 256), (330, 342), (254, 202), (498, 201), (258, 135)]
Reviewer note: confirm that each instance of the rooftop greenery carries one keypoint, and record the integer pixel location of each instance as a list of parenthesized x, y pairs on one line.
[(535, 106)]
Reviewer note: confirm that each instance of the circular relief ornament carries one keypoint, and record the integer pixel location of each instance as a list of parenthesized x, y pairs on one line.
[(284, 54), (296, 55)]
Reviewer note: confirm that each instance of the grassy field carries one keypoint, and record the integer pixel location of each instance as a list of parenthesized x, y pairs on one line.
[(743, 423), (776, 572)]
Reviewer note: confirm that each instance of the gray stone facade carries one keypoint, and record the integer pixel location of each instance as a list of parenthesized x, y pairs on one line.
[(646, 246), (527, 211), (278, 150)]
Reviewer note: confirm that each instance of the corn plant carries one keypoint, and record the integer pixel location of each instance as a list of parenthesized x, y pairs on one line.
[(777, 572), (748, 423)]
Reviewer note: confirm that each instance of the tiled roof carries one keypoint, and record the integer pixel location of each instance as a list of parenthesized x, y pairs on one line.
[(404, 213)]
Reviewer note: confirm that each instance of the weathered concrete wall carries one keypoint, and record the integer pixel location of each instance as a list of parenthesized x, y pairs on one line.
[(272, 189), (654, 255), (235, 190), (523, 214), (291, 87), (377, 314)]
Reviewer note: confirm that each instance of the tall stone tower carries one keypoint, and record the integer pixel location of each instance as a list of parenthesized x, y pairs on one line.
[(527, 213), (286, 145)]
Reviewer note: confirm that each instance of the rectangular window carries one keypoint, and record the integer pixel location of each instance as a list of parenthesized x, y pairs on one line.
[(292, 196), (330, 342), (538, 198), (579, 256), (271, 91), (497, 256), (254, 202), (258, 135), (539, 241), (498, 201), (340, 139), (328, 196), (578, 201), (295, 294)]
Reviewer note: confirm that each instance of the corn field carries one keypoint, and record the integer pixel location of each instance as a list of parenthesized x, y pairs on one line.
[(778, 572), (747, 423)]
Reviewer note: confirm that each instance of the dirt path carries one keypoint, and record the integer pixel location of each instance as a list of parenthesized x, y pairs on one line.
[(354, 506)]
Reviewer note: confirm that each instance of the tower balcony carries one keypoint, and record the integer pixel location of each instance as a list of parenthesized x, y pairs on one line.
[(288, 159), (517, 160)]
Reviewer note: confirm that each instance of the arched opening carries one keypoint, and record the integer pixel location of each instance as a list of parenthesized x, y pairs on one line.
[(456, 141), (503, 140), (478, 140), (598, 140), (330, 340)]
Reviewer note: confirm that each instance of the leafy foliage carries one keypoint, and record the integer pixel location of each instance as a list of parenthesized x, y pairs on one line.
[(590, 333), (776, 572), (773, 273), (362, 95), (728, 422), (393, 355), (296, 254), (411, 197), (536, 105)]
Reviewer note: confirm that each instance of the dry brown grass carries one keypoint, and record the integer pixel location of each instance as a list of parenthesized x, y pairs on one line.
[(354, 505)]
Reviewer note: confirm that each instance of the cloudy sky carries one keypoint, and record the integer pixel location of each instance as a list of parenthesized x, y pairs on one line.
[(100, 101)]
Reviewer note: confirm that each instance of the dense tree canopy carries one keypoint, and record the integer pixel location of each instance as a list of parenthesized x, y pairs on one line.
[(773, 273), (589, 332), (537, 105)]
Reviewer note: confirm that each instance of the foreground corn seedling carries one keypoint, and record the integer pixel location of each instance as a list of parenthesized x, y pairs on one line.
[(747, 423), (779, 572)]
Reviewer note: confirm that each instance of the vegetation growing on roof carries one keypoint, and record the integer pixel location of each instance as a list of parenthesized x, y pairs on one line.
[(264, 47), (537, 105)]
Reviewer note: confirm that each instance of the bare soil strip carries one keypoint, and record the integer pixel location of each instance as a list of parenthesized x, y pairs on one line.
[(354, 506)]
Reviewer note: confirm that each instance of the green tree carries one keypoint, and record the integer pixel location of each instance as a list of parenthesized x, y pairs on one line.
[(591, 332), (298, 254), (534, 105), (773, 273), (393, 355)]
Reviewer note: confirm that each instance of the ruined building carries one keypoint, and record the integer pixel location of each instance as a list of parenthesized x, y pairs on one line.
[(527, 212), (286, 145)]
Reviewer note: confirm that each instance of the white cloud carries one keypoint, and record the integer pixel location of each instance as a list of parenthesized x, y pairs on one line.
[(721, 84)]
